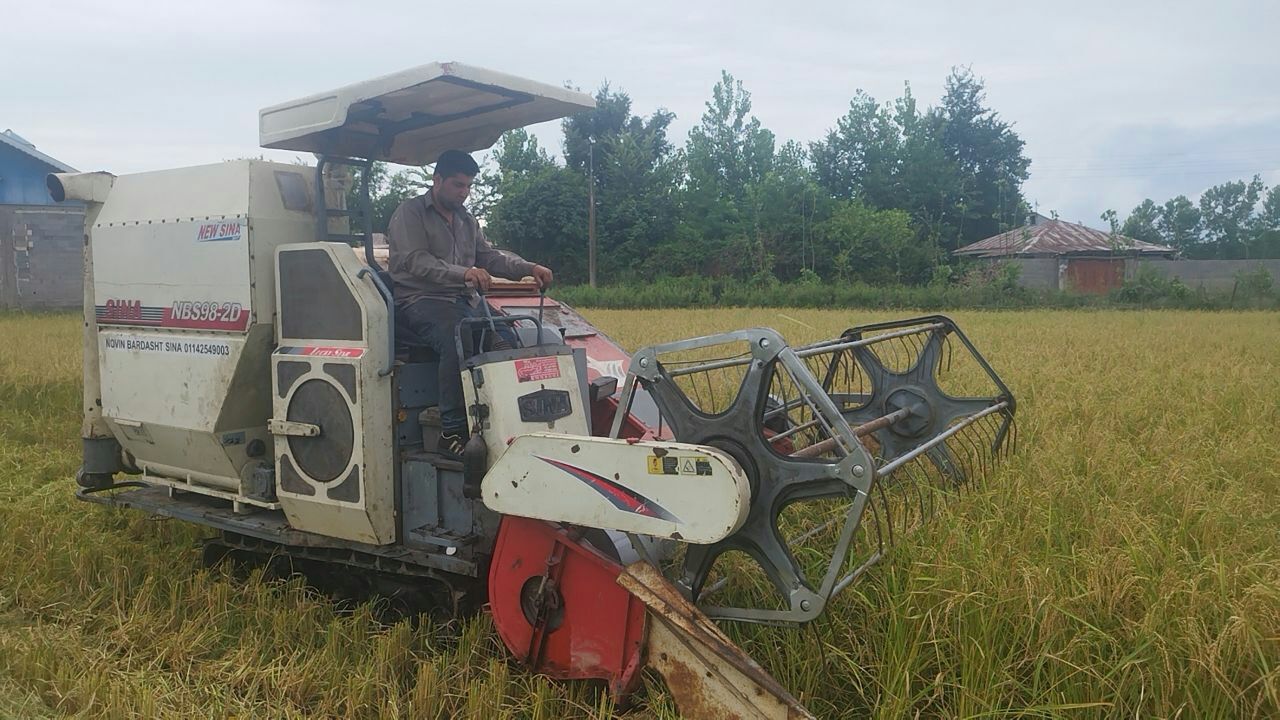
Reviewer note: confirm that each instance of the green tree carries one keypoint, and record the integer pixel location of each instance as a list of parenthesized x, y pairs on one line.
[(785, 208), (728, 151), (927, 183), (857, 158), (987, 153), (1112, 220), (517, 153), (1142, 223), (636, 172), (874, 246), (1265, 241), (386, 191), (542, 216), (957, 169), (1227, 213), (727, 155), (1179, 224)]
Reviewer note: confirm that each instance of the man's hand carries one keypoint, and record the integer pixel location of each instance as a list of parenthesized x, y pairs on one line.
[(542, 275), (478, 278)]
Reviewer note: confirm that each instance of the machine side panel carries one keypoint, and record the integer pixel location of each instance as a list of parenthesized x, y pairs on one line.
[(184, 329), (176, 274), (332, 406)]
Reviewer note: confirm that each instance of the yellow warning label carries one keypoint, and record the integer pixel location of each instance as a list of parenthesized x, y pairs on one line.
[(677, 465)]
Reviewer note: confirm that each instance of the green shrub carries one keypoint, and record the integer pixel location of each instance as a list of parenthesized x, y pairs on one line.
[(991, 286), (1148, 287)]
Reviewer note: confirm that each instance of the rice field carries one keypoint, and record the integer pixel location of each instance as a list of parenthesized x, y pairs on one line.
[(1122, 563)]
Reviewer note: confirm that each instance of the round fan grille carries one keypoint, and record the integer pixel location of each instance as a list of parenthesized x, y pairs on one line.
[(327, 455)]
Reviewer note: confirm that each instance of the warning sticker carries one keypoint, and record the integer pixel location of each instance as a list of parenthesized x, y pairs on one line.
[(533, 369), (675, 465)]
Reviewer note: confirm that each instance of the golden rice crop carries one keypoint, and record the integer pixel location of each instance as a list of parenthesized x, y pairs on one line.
[(1123, 563)]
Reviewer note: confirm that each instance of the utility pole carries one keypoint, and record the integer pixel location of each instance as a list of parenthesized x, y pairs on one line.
[(591, 213)]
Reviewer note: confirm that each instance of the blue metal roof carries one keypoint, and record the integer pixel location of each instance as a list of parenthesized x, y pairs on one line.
[(17, 142)]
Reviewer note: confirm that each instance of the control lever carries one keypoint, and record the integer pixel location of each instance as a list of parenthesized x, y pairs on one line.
[(484, 303), (542, 300)]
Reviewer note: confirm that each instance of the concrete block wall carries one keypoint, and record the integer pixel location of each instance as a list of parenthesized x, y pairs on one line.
[(41, 256), (1212, 275), (1037, 273), (1216, 276)]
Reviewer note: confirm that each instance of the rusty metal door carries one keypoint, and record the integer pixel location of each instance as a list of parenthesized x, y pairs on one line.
[(1097, 276)]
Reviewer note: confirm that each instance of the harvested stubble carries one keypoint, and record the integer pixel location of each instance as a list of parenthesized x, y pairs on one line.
[(1122, 563)]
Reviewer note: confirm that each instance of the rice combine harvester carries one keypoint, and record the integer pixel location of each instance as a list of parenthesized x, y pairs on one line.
[(243, 366)]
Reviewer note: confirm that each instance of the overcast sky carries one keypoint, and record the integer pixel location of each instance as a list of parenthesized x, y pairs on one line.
[(1116, 100)]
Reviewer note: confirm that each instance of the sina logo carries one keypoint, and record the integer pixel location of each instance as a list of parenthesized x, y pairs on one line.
[(218, 231)]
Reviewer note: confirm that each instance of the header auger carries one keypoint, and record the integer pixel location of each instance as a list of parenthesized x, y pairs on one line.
[(246, 369)]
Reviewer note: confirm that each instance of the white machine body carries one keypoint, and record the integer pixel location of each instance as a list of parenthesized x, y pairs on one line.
[(690, 493), (184, 297)]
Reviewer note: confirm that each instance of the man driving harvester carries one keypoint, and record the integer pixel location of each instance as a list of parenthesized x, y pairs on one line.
[(438, 258)]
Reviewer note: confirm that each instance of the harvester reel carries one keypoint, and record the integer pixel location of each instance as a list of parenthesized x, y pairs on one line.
[(777, 480), (925, 346), (859, 418)]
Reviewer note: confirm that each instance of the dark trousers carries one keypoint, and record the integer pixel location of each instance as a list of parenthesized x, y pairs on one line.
[(436, 322)]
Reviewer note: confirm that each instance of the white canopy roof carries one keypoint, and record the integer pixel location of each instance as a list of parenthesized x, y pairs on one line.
[(410, 117)]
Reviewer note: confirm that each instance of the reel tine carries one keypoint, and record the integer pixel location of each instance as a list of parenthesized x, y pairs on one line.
[(972, 446), (888, 530), (908, 351), (992, 428), (988, 454), (983, 444), (902, 503), (983, 431), (970, 464), (960, 457), (917, 347), (924, 490), (973, 437)]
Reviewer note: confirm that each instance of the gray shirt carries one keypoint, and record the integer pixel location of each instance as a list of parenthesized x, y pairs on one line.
[(428, 256)]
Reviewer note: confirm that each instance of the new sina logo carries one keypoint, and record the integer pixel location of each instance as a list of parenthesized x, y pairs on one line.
[(218, 231)]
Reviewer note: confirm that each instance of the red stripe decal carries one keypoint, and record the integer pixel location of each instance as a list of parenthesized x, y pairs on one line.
[(621, 497)]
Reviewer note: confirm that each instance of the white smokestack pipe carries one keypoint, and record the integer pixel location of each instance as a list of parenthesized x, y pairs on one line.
[(89, 187)]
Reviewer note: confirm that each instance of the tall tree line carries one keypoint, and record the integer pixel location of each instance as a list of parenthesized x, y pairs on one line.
[(882, 197), (1228, 223)]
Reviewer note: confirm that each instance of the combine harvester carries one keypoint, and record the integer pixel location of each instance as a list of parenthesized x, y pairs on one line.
[(244, 366)]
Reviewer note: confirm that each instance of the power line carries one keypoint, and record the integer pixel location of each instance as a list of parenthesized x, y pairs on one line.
[(1153, 172)]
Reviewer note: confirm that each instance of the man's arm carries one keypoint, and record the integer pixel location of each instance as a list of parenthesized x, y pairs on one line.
[(497, 262), (409, 255)]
